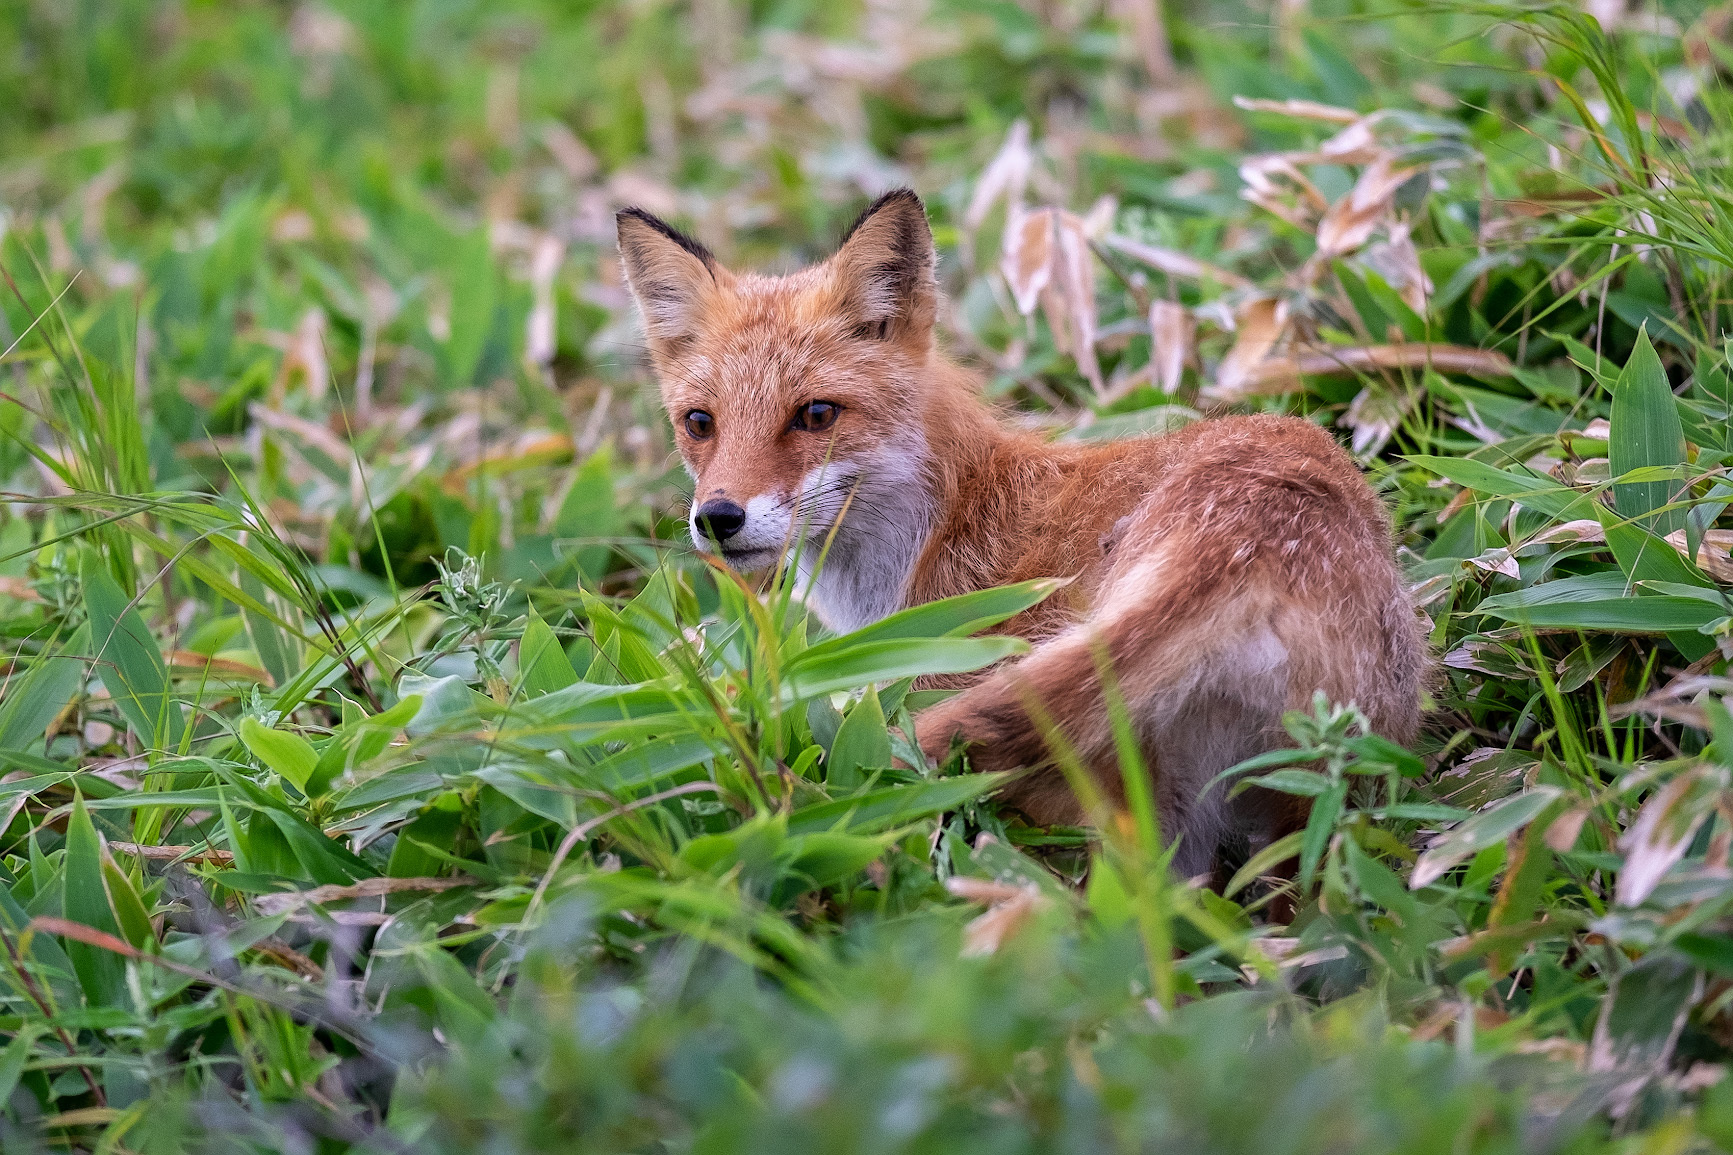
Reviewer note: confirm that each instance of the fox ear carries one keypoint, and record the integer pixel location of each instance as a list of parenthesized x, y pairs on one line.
[(885, 268), (668, 271)]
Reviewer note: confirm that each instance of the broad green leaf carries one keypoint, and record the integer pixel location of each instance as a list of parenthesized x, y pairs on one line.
[(31, 700), (278, 653), (1713, 953), (130, 912), (473, 293), (588, 510), (327, 861), (358, 741), (436, 827), (961, 615), (1645, 557), (887, 661), (128, 659), (16, 1054), (101, 973), (1645, 432), (1279, 851), (824, 858), (641, 764), (1490, 826), (54, 970), (542, 662), (1304, 783), (1529, 489), (1644, 1010), (824, 721), (289, 755), (862, 744), (893, 805), (1590, 611), (1107, 896), (582, 711), (1320, 824)]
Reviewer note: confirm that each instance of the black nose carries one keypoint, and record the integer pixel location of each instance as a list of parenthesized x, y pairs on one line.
[(720, 520)]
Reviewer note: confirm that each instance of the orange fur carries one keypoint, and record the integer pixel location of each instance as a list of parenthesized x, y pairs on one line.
[(1228, 571)]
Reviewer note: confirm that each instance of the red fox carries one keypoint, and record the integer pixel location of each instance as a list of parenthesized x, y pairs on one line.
[(1229, 570)]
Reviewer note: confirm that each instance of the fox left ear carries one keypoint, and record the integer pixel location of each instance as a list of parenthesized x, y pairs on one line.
[(885, 269), (670, 274)]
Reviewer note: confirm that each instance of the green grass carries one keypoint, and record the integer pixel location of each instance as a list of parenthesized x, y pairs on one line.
[(383, 772)]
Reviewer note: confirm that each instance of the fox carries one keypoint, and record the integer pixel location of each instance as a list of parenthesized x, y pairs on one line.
[(1222, 574)]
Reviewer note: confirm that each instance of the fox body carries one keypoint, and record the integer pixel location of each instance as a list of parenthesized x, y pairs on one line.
[(1226, 572)]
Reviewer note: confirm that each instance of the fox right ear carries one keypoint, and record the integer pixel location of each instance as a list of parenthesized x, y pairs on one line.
[(668, 271), (886, 269)]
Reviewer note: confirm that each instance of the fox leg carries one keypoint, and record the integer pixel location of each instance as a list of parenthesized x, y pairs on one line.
[(1204, 677)]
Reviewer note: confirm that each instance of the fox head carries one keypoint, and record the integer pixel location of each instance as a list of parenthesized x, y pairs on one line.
[(796, 400)]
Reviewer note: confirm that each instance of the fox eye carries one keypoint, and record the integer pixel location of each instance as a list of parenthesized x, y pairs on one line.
[(816, 416), (700, 426)]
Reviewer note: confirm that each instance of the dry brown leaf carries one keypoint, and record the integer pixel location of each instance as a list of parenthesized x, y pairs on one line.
[(281, 903), (1010, 907), (1073, 284), (1355, 144), (1098, 221), (1260, 322), (1149, 33), (310, 432), (572, 154), (534, 448), (985, 891), (1027, 261), (1272, 180), (546, 253), (293, 225), (1373, 416), (17, 587), (1351, 221), (1398, 262), (1499, 561), (192, 853), (188, 660), (1712, 552), (304, 352), (1561, 836), (1006, 176), (1658, 838), (1172, 262), (1303, 109), (1170, 333), (1570, 533), (1280, 374)]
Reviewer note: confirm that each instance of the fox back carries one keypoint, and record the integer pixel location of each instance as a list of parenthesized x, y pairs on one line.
[(1225, 573)]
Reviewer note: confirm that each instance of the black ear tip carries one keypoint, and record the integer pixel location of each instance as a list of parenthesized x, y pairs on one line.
[(902, 199), (657, 224)]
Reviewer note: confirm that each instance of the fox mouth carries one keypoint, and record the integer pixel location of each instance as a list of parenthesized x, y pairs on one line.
[(749, 557)]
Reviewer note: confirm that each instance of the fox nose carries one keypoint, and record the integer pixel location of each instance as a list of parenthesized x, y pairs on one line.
[(720, 519)]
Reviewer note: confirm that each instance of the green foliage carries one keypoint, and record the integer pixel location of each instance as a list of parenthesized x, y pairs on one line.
[(382, 772)]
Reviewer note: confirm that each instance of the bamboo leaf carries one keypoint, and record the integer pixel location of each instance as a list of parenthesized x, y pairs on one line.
[(862, 744), (101, 973), (1646, 431), (128, 660), (289, 755)]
